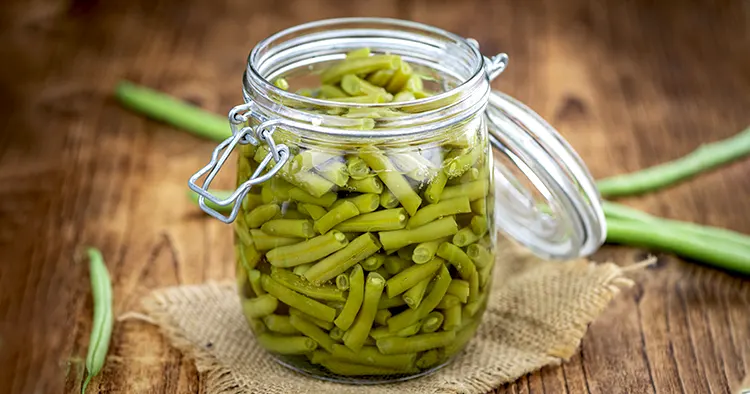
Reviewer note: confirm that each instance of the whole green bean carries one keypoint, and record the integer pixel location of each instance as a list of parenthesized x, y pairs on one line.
[(307, 251), (292, 281), (411, 276), (280, 324), (416, 343), (432, 322), (260, 306), (434, 211), (297, 300), (354, 300), (284, 344), (395, 182), (430, 302), (458, 258), (103, 319), (355, 337), (393, 240), (359, 249), (387, 219), (336, 215)]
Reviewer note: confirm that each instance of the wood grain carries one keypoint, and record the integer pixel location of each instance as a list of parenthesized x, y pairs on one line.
[(629, 84)]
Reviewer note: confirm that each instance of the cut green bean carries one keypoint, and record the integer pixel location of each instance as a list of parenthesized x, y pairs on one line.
[(355, 337), (354, 300), (425, 251), (380, 77), (370, 184), (364, 65), (479, 206), (414, 166), (253, 276), (162, 107), (460, 289), (370, 355), (382, 272), (428, 359), (473, 190), (336, 334), (406, 252), (462, 338), (430, 301), (388, 219), (465, 237), (373, 262), (462, 162), (394, 264), (311, 210), (399, 78), (382, 316), (357, 250), (388, 200), (103, 319), (280, 324), (434, 211), (281, 83), (342, 282), (458, 258), (262, 305), (485, 275), (289, 228), (412, 275), (479, 225), (432, 322), (312, 331), (471, 175), (413, 296), (331, 92), (365, 203), (307, 251), (395, 182), (409, 331), (706, 157), (479, 255), (416, 343), (260, 215), (371, 99), (448, 301), (474, 287), (393, 240), (263, 241), (387, 303), (275, 190), (357, 167), (297, 300), (286, 344), (326, 325), (403, 97), (452, 318), (356, 86), (435, 189), (325, 201), (298, 284), (336, 215), (358, 53), (381, 332)]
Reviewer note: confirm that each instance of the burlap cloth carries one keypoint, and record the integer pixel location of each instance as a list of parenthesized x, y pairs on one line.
[(536, 316)]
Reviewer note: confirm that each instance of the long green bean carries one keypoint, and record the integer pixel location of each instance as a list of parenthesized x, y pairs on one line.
[(355, 337), (103, 320)]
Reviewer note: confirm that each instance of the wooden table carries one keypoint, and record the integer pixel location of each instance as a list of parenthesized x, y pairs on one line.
[(629, 85)]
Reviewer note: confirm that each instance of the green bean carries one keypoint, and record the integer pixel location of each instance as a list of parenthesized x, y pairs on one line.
[(286, 344), (443, 208), (479, 225), (432, 322), (103, 319), (256, 325), (220, 194), (358, 53), (452, 318), (465, 237), (410, 276), (484, 275), (365, 203), (291, 214), (297, 300), (311, 210), (394, 264), (357, 250), (473, 307), (406, 252), (369, 184), (382, 272), (462, 338), (395, 182), (342, 282), (275, 190), (474, 287), (253, 276), (336, 215), (416, 343), (167, 109), (307, 251), (704, 158), (249, 256), (387, 302), (471, 175), (373, 262), (348, 369), (388, 200), (435, 188), (414, 166), (364, 65), (403, 97), (465, 159), (473, 190), (280, 324), (388, 219), (263, 241), (380, 77), (355, 337), (259, 306), (425, 251), (306, 180), (414, 84), (292, 281), (261, 214), (334, 171), (409, 331), (448, 301), (430, 301), (357, 167), (399, 78), (413, 296), (381, 332), (281, 83), (382, 316), (353, 301), (460, 289), (393, 240), (336, 334), (479, 255), (326, 325), (311, 330), (289, 228), (458, 258), (356, 86), (369, 355), (325, 201), (428, 359), (331, 92)]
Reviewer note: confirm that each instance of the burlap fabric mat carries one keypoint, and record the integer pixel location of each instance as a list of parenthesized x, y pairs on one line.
[(537, 314)]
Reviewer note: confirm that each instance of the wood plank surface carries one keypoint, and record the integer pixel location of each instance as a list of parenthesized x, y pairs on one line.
[(629, 84)]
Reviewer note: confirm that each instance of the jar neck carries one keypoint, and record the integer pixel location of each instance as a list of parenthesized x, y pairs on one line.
[(302, 48)]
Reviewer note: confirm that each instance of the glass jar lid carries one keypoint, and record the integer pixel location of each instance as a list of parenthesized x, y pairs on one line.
[(546, 199)]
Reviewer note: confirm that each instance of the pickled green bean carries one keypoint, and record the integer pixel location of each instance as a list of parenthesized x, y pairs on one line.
[(479, 225), (434, 190), (370, 184), (365, 203), (395, 182), (452, 318), (484, 275), (465, 237), (359, 249), (286, 344), (344, 211), (342, 282), (381, 332), (331, 92), (380, 77), (406, 252), (355, 337), (382, 316), (428, 359), (325, 201), (373, 262), (388, 200), (364, 65), (370, 355), (296, 283), (403, 97), (425, 251), (356, 86), (311, 330), (441, 209), (358, 53), (393, 240), (307, 251), (326, 325), (311, 210), (479, 255), (399, 78), (297, 300), (357, 167), (394, 264), (387, 303), (416, 343), (410, 276), (414, 166), (253, 276), (458, 258), (460, 289), (336, 334), (409, 331), (275, 190), (463, 336), (388, 219), (448, 301), (432, 322), (375, 99), (261, 214), (263, 241), (430, 301), (413, 296), (301, 228), (473, 190), (465, 159), (471, 175), (280, 324), (474, 287), (262, 305), (354, 300), (382, 272)]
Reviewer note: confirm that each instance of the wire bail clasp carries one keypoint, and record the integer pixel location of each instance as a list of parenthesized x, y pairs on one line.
[(493, 66), (245, 135)]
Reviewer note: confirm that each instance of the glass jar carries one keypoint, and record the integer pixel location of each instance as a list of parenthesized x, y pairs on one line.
[(366, 231)]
